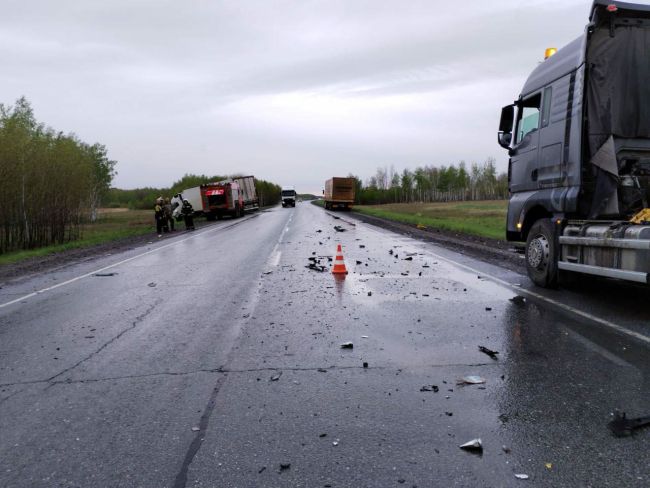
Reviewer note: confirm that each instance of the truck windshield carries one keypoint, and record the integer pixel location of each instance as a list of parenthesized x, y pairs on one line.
[(288, 193), (528, 119)]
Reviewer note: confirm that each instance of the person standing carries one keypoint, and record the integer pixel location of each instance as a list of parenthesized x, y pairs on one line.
[(169, 218), (187, 211), (159, 214)]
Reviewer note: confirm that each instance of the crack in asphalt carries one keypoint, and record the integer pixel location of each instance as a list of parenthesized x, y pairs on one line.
[(225, 371), (137, 320)]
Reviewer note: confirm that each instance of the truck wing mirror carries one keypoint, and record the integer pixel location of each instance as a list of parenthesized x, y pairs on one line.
[(506, 125)]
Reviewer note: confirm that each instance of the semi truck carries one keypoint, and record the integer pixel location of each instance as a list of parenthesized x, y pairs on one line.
[(233, 196), (288, 196), (578, 137), (339, 193)]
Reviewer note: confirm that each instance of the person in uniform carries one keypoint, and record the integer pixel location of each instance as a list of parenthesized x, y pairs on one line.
[(159, 214), (187, 211), (167, 208)]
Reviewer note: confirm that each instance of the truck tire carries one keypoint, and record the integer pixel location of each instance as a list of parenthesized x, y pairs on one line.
[(210, 216), (542, 254)]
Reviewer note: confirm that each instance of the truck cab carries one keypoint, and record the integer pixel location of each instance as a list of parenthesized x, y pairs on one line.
[(288, 197), (578, 137)]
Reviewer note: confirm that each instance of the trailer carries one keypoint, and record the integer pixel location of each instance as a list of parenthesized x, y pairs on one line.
[(215, 200), (339, 193), (578, 137)]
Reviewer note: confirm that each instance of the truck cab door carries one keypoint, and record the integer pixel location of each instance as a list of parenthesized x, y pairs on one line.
[(524, 155)]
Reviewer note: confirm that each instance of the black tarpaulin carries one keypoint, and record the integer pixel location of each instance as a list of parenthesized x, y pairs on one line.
[(618, 83)]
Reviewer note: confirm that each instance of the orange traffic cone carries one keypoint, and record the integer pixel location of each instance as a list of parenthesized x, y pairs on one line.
[(339, 264)]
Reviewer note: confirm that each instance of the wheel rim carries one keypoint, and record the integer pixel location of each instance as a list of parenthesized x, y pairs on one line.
[(538, 250)]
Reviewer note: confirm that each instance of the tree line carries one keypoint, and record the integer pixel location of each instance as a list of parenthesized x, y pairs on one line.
[(50, 182), (433, 184), (144, 198)]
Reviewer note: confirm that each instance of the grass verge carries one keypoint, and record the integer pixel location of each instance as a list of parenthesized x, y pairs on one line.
[(113, 224), (483, 219)]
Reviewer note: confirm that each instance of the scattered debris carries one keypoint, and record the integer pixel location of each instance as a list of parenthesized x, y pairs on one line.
[(369, 293), (408, 259), (316, 267), (338, 228), (488, 309), (347, 345), (421, 227), (364, 336), (322, 370), (322, 435), (335, 443), (390, 251), (489, 352), (261, 470), (267, 273), (470, 380), (621, 426), (505, 449), (276, 377), (195, 429), (449, 414), (548, 465), (474, 445), (362, 246), (104, 274), (521, 476), (365, 364), (519, 300), (433, 388), (359, 262), (319, 230), (285, 466)]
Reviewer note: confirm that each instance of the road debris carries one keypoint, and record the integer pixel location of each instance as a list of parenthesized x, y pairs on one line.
[(101, 275), (521, 476), (338, 228), (489, 352), (408, 259), (321, 370), (322, 435), (518, 300), (285, 466), (369, 293), (335, 443), (276, 377), (390, 251), (261, 470), (470, 380), (152, 284), (316, 267), (359, 262), (433, 388), (195, 429), (365, 364), (548, 466), (505, 449), (621, 426), (364, 336), (347, 345), (475, 445)]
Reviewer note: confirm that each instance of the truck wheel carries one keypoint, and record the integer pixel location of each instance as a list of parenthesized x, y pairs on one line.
[(542, 254)]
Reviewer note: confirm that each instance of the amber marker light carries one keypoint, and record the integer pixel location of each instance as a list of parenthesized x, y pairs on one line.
[(549, 52)]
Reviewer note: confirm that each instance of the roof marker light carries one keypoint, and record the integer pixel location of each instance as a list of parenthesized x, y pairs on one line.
[(549, 52), (612, 8)]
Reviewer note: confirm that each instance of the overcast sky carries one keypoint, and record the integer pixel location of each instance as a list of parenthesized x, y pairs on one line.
[(291, 91)]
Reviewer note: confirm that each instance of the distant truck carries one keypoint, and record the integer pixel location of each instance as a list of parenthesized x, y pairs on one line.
[(578, 138), (339, 193), (232, 197), (288, 197)]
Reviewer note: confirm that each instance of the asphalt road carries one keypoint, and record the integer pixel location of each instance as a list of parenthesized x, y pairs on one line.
[(213, 359)]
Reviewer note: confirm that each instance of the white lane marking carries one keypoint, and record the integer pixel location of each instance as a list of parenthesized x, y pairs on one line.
[(620, 329), (72, 280)]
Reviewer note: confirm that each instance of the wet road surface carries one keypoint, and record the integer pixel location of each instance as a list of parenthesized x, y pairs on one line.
[(213, 359)]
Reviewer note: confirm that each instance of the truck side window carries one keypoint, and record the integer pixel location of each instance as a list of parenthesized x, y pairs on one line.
[(528, 117), (546, 110)]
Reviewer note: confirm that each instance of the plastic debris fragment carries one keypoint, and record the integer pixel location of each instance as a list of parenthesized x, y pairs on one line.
[(471, 380), (474, 445)]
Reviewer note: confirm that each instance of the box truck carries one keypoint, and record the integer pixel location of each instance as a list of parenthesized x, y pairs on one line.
[(339, 193)]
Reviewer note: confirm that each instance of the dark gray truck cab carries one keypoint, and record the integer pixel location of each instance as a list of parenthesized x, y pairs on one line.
[(578, 138)]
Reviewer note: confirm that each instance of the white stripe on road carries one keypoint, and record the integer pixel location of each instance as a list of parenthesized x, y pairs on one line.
[(72, 280)]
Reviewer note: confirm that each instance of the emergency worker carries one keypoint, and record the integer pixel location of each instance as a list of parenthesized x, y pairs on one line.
[(167, 208), (187, 211), (159, 214)]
